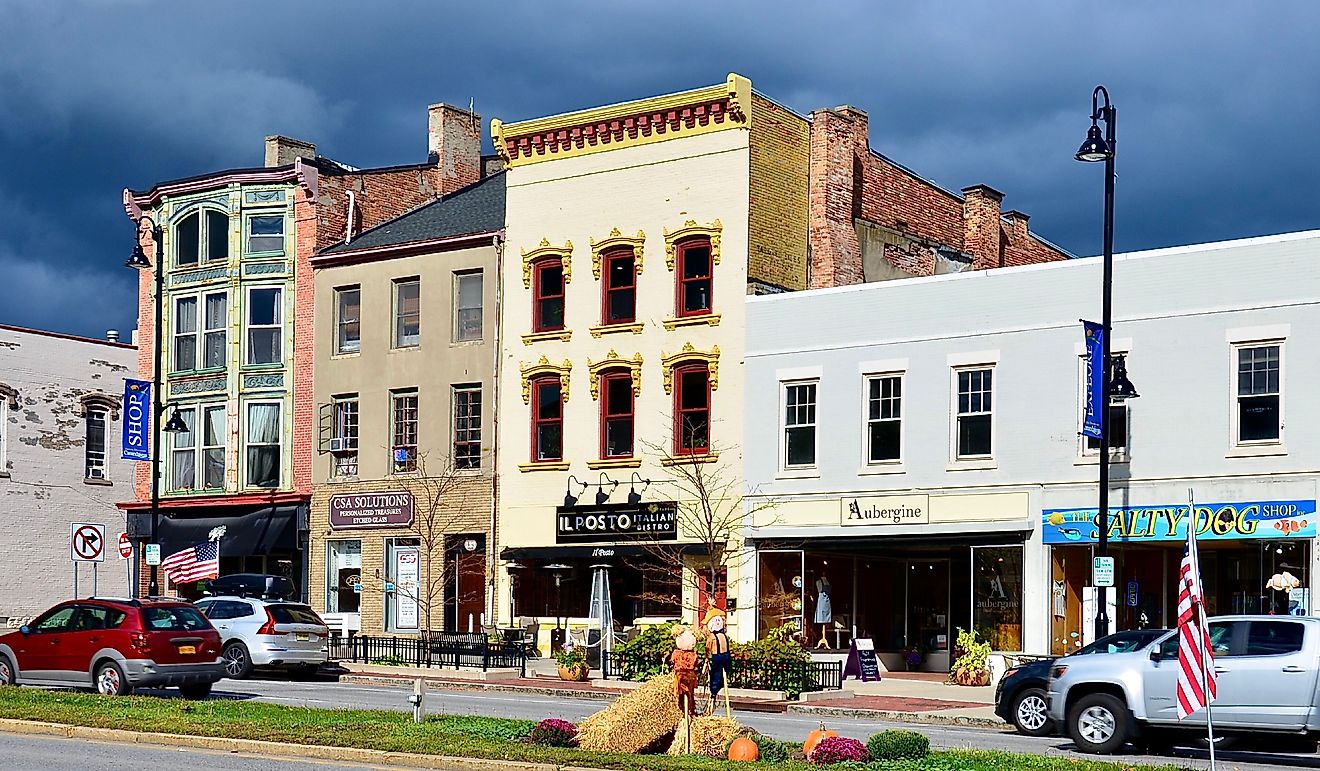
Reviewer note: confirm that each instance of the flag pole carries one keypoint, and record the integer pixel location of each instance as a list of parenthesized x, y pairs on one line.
[(1205, 630)]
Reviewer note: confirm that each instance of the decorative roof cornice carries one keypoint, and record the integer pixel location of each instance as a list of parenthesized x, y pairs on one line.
[(407, 249), (305, 174), (688, 113)]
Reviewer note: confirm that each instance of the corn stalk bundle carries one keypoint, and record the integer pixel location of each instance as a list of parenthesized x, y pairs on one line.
[(635, 720)]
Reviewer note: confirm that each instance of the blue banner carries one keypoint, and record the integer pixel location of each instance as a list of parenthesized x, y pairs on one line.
[(137, 419), (1214, 522), (1095, 375)]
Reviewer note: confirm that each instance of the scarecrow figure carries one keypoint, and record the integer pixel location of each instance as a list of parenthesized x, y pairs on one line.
[(721, 664), (684, 661)]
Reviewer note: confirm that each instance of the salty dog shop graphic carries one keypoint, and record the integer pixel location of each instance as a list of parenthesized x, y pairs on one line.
[(1214, 521)]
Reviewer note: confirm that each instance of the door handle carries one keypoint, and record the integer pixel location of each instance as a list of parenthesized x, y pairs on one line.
[(1293, 668), (1222, 670)]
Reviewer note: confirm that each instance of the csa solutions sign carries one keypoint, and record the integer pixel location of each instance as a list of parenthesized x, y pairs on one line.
[(1214, 522), (357, 511)]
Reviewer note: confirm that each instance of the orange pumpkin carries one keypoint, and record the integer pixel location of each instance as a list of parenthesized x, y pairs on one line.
[(744, 749), (816, 737)]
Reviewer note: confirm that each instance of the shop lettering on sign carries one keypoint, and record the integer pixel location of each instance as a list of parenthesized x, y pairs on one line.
[(367, 510), (647, 521), (1214, 521), (885, 510)]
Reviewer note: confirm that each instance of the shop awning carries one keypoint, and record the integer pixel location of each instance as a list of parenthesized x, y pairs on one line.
[(601, 551), (943, 533), (265, 530)]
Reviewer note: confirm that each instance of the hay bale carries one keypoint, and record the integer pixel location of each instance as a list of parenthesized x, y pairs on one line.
[(635, 720), (711, 736)]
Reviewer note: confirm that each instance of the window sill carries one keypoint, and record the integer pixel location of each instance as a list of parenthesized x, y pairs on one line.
[(710, 319), (1257, 451), (972, 464), (1094, 460), (339, 480), (190, 373), (4, 475), (468, 472), (562, 335), (798, 473), (683, 460), (614, 463), (263, 255), (461, 343), (98, 482), (269, 365), (876, 469), (346, 354), (560, 465), (615, 329), (405, 348)]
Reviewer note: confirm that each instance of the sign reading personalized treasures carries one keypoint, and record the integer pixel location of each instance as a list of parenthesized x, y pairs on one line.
[(643, 522), (364, 510), (885, 510), (1214, 522)]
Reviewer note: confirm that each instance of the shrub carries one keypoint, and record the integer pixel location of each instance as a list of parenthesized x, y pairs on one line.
[(898, 745), (773, 750), (970, 668), (569, 657), (553, 732), (839, 749)]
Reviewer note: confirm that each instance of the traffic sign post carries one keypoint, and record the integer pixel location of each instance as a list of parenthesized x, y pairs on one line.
[(1103, 570), (87, 542), (152, 553), (125, 547)]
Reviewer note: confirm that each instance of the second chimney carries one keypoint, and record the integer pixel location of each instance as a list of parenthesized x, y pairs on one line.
[(981, 205), (281, 150), (453, 142)]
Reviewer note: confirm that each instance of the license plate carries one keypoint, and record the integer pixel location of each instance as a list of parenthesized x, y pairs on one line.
[(302, 637), (186, 649)]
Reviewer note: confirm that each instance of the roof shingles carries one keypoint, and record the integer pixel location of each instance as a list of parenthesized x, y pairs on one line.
[(477, 208)]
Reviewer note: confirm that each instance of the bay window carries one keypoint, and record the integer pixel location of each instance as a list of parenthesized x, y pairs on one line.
[(265, 325), (185, 334)]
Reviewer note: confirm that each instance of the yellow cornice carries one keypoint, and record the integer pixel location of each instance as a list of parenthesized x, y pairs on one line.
[(687, 354), (710, 319), (544, 249), (613, 360), (613, 240), (544, 367), (691, 228)]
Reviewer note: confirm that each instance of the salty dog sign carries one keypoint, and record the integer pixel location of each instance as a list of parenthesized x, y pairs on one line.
[(137, 419), (1214, 521)]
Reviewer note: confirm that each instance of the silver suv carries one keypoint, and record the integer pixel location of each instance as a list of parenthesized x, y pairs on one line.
[(1266, 670), (267, 633)]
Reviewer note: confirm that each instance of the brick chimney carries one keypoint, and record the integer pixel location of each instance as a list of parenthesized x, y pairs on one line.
[(981, 226), (839, 145), (453, 141), (1017, 225), (281, 150)]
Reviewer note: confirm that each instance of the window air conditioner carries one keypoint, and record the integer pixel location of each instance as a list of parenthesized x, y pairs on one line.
[(338, 444)]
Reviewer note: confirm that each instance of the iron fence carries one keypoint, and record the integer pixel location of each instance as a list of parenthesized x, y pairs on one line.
[(441, 649), (791, 676)]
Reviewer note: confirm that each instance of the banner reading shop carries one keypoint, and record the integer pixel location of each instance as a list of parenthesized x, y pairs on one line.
[(1214, 522), (137, 419)]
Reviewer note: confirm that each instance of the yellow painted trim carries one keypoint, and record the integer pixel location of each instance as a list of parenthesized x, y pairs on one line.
[(681, 460), (562, 465), (613, 240), (615, 329), (545, 249), (544, 367), (613, 360), (712, 360), (615, 463), (563, 335), (709, 319), (689, 230)]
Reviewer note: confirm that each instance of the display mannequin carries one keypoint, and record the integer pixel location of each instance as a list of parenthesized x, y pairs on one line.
[(824, 609)]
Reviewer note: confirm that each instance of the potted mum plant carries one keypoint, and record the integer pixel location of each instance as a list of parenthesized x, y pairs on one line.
[(572, 664), (913, 658)]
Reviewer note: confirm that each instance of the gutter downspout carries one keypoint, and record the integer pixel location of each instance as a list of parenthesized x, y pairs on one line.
[(498, 242), (348, 227)]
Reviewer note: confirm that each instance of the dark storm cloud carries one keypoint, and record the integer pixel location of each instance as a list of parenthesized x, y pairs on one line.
[(1216, 104)]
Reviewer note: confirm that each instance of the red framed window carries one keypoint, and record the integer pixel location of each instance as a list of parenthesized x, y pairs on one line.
[(616, 414), (721, 595), (547, 419), (548, 295), (695, 284), (619, 289), (691, 410)]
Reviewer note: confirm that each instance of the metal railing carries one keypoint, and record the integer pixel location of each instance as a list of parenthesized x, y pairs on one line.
[(438, 649), (788, 675)]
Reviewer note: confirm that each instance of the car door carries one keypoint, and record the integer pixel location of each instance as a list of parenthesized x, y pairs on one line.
[(1277, 675), (90, 630), (42, 647), (1160, 676)]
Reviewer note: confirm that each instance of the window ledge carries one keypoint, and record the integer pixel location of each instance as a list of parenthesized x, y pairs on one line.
[(405, 348), (98, 482), (190, 373), (462, 343), (4, 475), (798, 473), (1094, 460), (893, 467), (346, 354), (975, 464), (563, 335), (615, 329), (710, 319), (339, 480), (559, 465), (468, 472), (1257, 451), (683, 460), (614, 463), (273, 365)]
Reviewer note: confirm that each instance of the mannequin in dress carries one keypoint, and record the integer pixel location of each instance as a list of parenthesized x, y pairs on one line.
[(824, 609)]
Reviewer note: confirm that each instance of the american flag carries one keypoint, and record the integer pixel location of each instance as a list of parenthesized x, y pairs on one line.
[(1196, 656), (193, 563)]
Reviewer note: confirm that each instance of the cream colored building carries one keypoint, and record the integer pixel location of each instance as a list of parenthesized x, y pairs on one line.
[(404, 475)]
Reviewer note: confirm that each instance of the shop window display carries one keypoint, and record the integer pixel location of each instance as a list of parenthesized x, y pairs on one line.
[(997, 596)]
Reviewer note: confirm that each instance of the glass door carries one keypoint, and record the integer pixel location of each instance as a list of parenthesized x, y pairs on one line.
[(779, 595), (927, 628)]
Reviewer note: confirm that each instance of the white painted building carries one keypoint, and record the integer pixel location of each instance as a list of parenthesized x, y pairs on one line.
[(926, 461), (60, 428)]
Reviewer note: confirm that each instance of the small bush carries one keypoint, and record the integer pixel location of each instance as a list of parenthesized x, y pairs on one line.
[(839, 749), (773, 750), (553, 732), (898, 745)]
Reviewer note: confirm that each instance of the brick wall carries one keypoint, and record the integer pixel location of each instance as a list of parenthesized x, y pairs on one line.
[(777, 216), (304, 329)]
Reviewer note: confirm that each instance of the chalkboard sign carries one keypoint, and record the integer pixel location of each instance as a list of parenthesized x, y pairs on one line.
[(862, 663)]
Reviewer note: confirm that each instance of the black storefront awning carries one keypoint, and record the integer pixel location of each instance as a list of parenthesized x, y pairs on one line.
[(248, 532), (599, 551)]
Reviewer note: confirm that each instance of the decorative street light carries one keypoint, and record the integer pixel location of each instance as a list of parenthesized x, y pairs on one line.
[(1115, 385)]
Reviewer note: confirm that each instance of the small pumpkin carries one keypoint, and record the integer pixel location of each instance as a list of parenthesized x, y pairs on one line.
[(744, 749), (816, 737)]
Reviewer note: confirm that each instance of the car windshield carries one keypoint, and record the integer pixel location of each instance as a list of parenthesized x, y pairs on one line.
[(178, 618), (1123, 642), (294, 614)]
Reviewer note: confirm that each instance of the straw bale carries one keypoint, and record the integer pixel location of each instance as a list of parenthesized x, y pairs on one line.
[(635, 720), (711, 736)]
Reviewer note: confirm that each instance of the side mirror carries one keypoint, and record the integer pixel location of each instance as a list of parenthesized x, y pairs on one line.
[(1155, 653), (25, 630)]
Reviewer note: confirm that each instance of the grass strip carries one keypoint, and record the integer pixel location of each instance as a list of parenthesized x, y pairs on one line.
[(449, 735)]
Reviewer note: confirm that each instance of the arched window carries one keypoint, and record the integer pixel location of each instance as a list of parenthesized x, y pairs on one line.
[(202, 236)]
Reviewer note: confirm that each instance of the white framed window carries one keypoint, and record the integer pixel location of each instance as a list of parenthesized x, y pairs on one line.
[(884, 418), (467, 306), (265, 325), (265, 234), (185, 333), (403, 430), (183, 453), (974, 424), (198, 454), (467, 426), (343, 580), (407, 313), (799, 434), (344, 443), (1089, 446), (215, 326), (348, 319), (213, 447), (262, 444), (1258, 400), (97, 423)]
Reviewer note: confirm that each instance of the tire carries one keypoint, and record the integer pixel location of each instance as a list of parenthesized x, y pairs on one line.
[(1098, 724), (1030, 715), (110, 680), (6, 671), (238, 663), (196, 691), (1222, 743)]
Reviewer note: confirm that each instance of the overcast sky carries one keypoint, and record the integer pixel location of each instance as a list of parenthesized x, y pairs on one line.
[(1218, 104)]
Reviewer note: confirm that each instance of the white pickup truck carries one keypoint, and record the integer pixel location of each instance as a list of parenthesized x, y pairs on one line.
[(1266, 669)]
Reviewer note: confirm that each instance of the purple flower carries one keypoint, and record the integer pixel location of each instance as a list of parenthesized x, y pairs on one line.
[(839, 749), (553, 732)]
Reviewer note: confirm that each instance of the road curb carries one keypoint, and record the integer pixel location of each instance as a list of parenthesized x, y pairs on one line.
[(275, 749), (927, 718)]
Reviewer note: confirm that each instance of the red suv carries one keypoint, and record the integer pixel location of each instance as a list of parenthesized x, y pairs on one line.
[(115, 646)]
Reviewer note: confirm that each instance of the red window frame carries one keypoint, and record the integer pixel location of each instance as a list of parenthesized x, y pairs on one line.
[(721, 588), (681, 372), (606, 291), (681, 282), (538, 420), (539, 295), (615, 376)]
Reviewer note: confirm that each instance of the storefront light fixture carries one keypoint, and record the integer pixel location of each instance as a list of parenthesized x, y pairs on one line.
[(601, 482), (175, 424), (635, 497), (570, 499), (1120, 387)]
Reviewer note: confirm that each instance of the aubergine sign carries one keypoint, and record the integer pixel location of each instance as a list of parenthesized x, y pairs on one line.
[(355, 511), (1214, 522)]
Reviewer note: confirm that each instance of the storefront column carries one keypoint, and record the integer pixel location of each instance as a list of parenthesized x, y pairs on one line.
[(1036, 600)]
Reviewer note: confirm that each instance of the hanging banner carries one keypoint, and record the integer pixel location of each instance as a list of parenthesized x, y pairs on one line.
[(1095, 375), (137, 419), (1214, 522)]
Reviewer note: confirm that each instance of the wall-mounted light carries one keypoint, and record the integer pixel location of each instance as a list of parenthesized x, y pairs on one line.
[(635, 497), (569, 498), (601, 481)]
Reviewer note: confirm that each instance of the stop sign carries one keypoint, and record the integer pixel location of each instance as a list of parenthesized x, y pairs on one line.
[(125, 546)]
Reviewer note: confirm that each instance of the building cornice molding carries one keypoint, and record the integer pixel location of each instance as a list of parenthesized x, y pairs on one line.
[(616, 240), (304, 174), (613, 360), (543, 250), (687, 355)]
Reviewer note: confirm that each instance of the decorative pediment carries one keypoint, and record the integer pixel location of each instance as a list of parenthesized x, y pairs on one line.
[(613, 360), (689, 355), (691, 229), (544, 367), (545, 249), (98, 400), (616, 240)]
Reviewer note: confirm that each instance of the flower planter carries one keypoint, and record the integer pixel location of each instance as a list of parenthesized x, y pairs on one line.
[(976, 677), (574, 674)]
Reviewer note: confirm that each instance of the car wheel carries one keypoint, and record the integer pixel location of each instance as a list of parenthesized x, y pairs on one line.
[(1030, 713), (238, 664), (110, 680), (1222, 743), (6, 670), (1098, 724), (196, 691)]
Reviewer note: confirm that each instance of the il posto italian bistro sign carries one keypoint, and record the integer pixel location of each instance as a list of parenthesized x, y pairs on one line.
[(640, 522), (1214, 522), (358, 511)]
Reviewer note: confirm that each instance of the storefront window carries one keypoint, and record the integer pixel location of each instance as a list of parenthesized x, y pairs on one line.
[(403, 581), (997, 596), (779, 590), (343, 580)]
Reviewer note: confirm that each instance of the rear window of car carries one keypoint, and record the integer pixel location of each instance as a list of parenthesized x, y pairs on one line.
[(177, 618), (294, 614)]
